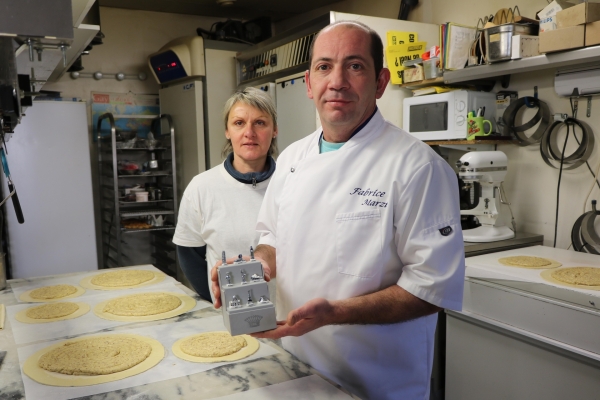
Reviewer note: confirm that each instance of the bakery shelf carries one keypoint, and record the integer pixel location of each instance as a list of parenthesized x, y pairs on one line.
[(141, 203), (115, 208), (156, 228), (141, 149), (537, 63), (145, 175), (142, 213)]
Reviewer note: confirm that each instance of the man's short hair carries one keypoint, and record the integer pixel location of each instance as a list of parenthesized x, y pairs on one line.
[(376, 43)]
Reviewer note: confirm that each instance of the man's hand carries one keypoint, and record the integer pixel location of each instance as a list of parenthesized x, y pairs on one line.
[(387, 306), (214, 276), (312, 315)]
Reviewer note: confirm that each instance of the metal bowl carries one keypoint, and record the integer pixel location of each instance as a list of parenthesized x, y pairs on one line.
[(126, 135), (152, 143)]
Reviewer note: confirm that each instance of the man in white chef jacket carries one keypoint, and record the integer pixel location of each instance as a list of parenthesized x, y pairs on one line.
[(361, 226)]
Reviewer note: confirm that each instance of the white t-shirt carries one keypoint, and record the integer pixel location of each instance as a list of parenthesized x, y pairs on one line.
[(382, 210), (219, 212)]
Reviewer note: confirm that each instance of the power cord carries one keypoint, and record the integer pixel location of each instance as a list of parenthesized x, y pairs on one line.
[(574, 114), (562, 157)]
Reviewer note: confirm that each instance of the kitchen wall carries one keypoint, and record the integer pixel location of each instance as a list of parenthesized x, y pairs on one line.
[(531, 184)]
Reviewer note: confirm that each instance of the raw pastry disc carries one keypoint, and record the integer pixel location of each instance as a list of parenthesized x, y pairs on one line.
[(22, 315), (25, 296), (547, 275), (529, 262), (187, 303), (87, 282), (252, 346), (32, 370)]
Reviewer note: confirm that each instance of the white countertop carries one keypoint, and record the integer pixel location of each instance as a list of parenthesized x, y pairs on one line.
[(274, 374), (487, 266)]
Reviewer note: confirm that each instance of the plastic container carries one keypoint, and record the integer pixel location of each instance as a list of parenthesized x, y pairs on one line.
[(141, 196), (430, 68)]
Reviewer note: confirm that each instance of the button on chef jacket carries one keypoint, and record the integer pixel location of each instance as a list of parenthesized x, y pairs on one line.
[(383, 210)]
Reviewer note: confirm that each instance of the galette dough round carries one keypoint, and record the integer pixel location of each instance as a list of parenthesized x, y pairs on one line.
[(35, 372)]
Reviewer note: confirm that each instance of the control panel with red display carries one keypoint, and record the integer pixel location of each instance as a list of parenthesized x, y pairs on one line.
[(167, 67)]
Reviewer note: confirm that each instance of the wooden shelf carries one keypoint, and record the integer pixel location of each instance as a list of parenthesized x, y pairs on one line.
[(421, 84)]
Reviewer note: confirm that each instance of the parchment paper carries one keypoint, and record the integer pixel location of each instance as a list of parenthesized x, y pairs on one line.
[(74, 278), (170, 367), (87, 323)]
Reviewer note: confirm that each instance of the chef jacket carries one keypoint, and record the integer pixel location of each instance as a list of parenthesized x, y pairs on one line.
[(382, 210)]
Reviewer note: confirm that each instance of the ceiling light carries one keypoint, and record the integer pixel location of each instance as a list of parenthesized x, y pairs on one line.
[(225, 3)]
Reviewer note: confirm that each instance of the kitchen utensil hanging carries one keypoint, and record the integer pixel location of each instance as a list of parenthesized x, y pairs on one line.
[(11, 188), (550, 150), (583, 235), (542, 117)]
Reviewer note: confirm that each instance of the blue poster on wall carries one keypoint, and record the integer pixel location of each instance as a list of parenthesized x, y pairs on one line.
[(125, 107)]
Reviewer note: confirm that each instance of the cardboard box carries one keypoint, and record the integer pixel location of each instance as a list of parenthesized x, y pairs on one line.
[(552, 8), (562, 39), (524, 46), (548, 15), (413, 74), (578, 15), (592, 33), (548, 24)]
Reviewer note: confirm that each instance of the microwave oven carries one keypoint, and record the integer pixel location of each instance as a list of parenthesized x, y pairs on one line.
[(443, 116)]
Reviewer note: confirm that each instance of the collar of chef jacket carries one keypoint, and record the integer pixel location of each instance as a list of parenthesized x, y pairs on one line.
[(355, 131)]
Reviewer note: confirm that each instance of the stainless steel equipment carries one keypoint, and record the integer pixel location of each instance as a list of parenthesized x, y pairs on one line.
[(39, 40), (498, 40), (245, 298), (517, 326), (488, 168), (197, 77), (123, 242)]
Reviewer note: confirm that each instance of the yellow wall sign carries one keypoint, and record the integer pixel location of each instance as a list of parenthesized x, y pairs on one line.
[(397, 37), (401, 46)]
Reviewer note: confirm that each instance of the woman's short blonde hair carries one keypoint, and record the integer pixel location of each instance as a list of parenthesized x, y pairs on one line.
[(255, 98)]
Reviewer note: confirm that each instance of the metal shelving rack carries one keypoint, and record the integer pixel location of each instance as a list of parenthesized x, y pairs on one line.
[(114, 206)]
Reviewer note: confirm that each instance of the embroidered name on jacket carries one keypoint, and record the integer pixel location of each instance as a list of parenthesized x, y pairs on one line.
[(372, 199)]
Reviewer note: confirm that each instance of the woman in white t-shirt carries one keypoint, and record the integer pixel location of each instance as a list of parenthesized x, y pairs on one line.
[(219, 207)]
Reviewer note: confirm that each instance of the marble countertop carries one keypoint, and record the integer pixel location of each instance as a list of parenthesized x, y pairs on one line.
[(221, 381)]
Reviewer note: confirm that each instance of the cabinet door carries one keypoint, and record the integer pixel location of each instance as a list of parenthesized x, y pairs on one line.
[(49, 160), (296, 113)]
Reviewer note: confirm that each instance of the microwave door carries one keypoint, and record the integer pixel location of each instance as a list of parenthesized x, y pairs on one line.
[(429, 118)]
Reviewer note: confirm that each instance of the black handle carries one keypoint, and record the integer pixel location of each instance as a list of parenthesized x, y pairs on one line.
[(16, 204)]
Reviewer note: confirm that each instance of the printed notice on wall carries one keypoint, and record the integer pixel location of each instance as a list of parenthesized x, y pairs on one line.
[(124, 105), (401, 47)]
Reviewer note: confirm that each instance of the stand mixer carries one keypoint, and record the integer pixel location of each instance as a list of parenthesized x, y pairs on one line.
[(488, 169)]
